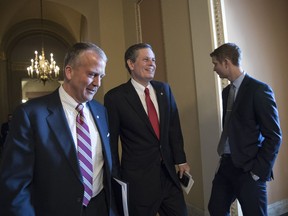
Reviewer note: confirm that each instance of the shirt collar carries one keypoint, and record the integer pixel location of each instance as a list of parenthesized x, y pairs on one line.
[(139, 87), (239, 80), (67, 99)]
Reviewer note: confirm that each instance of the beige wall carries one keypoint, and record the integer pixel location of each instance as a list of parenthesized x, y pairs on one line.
[(180, 75), (260, 29)]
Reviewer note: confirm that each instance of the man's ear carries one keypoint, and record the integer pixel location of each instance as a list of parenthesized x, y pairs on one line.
[(130, 64), (227, 62), (68, 72)]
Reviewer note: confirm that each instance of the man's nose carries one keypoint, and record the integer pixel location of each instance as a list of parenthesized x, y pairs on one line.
[(97, 81)]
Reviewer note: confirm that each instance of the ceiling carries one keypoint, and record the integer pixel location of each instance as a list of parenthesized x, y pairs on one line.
[(20, 19)]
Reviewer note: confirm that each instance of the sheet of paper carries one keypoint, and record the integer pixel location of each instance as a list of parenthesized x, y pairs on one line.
[(124, 195), (190, 183)]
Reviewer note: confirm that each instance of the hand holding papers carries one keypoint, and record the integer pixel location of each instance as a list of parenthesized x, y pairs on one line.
[(186, 182)]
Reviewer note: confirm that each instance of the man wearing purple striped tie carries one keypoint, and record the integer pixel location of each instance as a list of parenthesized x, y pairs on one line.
[(57, 161)]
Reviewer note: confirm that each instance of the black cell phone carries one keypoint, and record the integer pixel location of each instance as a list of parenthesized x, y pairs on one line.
[(184, 180)]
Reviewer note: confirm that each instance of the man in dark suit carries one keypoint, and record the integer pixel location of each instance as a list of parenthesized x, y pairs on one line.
[(149, 155), (250, 139), (40, 172)]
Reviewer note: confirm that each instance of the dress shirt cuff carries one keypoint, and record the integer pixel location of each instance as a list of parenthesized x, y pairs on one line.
[(181, 164)]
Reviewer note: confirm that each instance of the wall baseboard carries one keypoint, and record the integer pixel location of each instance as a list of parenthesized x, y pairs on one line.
[(278, 208), (274, 209)]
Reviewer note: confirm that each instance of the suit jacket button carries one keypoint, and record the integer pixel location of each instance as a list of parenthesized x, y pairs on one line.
[(79, 199)]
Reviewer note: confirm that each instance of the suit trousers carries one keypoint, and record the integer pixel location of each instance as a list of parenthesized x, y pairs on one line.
[(171, 202), (232, 183), (97, 206)]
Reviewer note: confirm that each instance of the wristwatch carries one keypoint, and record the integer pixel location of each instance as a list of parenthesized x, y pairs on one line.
[(255, 177)]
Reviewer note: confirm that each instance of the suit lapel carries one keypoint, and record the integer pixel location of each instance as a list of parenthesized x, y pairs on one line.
[(58, 124), (135, 102), (162, 106)]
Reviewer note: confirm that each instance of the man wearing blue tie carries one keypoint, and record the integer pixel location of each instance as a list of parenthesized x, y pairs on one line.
[(250, 139), (44, 171)]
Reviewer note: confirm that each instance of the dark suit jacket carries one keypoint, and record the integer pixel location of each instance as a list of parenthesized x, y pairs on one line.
[(40, 174), (141, 149), (254, 128)]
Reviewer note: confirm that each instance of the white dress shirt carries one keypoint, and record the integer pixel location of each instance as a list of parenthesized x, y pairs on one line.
[(69, 105), (140, 91)]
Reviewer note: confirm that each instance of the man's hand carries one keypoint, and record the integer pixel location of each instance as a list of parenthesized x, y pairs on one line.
[(182, 168)]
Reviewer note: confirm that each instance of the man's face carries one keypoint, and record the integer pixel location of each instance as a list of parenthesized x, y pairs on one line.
[(84, 78), (143, 69), (220, 67)]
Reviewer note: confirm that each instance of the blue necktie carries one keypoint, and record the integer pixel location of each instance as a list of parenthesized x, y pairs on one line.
[(224, 135)]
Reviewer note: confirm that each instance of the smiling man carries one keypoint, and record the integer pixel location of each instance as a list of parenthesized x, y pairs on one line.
[(58, 160), (143, 113)]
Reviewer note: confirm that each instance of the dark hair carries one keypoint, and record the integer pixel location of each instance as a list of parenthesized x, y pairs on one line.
[(78, 48), (132, 53), (230, 51)]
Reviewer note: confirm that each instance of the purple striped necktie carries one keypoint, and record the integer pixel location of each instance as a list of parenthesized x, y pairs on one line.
[(84, 153)]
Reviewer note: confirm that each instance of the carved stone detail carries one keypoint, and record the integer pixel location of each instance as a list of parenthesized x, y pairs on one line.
[(138, 21), (219, 28)]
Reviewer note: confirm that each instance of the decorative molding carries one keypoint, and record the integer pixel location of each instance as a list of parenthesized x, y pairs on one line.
[(138, 21), (218, 12), (219, 24)]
